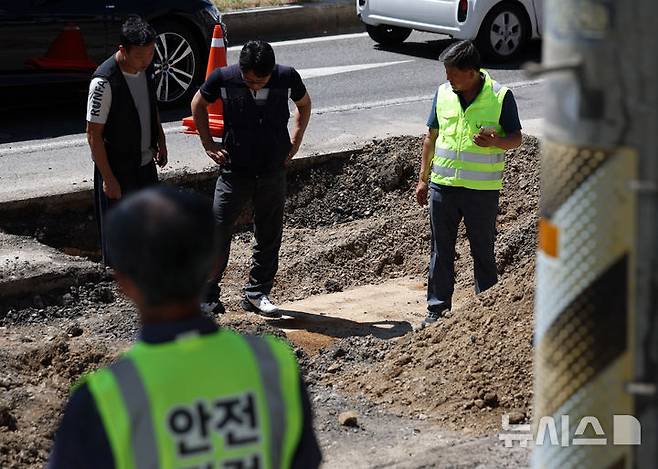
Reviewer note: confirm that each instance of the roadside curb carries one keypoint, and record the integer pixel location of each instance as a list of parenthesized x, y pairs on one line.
[(30, 267), (39, 269), (295, 21), (83, 199)]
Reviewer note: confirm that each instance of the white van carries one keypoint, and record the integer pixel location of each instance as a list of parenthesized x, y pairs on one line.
[(499, 28)]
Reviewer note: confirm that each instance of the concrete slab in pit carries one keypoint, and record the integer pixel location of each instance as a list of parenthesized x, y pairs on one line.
[(29, 267), (386, 311)]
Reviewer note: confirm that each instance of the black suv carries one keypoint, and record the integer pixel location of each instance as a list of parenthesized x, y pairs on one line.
[(61, 41)]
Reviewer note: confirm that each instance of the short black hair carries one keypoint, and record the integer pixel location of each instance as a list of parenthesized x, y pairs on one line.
[(162, 239), (136, 32), (257, 57), (462, 55)]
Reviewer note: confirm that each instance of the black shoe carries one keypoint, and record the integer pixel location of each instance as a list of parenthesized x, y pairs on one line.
[(210, 302), (212, 307), (432, 317)]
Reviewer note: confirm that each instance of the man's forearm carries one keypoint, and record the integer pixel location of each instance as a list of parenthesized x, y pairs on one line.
[(509, 142), (200, 115), (302, 118), (161, 134), (99, 155), (426, 158)]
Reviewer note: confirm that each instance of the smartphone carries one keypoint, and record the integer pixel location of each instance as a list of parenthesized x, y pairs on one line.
[(488, 129)]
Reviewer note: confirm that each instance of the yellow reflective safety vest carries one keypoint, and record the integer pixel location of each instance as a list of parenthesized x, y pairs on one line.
[(219, 400), (458, 161)]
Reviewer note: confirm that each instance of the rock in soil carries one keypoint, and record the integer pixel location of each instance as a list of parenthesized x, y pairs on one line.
[(7, 420), (348, 419), (491, 399), (516, 417)]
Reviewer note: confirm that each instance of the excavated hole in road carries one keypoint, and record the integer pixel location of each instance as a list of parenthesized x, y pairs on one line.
[(348, 221), (340, 190), (321, 193)]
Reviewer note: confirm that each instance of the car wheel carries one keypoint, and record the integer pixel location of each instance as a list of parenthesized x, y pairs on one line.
[(178, 64), (504, 33), (388, 35)]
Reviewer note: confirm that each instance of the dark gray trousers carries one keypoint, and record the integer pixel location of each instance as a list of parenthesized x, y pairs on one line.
[(447, 208), (268, 195), (145, 176)]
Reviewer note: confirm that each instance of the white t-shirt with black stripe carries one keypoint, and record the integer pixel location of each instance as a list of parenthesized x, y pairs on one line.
[(99, 102)]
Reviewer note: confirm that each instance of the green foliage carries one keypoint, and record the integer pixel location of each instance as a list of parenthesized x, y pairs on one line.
[(227, 5)]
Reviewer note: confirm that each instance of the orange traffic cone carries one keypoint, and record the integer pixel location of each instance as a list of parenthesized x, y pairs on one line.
[(67, 52), (216, 59)]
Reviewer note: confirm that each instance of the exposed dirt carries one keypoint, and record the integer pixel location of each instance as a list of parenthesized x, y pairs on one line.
[(348, 223)]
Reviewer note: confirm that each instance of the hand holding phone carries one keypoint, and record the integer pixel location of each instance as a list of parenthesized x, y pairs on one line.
[(488, 130), (486, 136)]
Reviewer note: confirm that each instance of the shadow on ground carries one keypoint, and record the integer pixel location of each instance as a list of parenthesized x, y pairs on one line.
[(338, 327)]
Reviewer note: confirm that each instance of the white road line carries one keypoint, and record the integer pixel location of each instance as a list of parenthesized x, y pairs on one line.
[(373, 104), (327, 71), (408, 100), (310, 40), (523, 84)]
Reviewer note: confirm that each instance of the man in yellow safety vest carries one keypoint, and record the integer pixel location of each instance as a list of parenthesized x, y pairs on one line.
[(473, 121), (187, 394)]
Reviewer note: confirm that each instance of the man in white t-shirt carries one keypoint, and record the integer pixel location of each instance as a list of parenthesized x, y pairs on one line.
[(123, 124)]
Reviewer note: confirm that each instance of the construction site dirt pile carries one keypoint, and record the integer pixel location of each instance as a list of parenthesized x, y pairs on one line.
[(349, 222), (475, 364)]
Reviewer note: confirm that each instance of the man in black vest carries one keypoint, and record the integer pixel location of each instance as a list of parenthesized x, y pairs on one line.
[(253, 156), (123, 125)]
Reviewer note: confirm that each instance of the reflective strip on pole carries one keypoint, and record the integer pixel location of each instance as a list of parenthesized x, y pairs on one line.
[(582, 309), (596, 330), (548, 237)]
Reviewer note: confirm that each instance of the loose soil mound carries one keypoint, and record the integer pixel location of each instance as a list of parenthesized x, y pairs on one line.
[(475, 364)]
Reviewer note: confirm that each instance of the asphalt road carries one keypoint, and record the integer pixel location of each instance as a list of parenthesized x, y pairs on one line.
[(360, 91)]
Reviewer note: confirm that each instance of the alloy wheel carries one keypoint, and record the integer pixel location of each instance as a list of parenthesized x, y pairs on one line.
[(175, 65)]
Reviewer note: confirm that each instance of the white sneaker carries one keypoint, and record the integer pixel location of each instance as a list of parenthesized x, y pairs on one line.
[(262, 305)]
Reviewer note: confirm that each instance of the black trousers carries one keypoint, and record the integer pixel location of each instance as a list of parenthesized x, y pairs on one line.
[(145, 176), (268, 195), (447, 208)]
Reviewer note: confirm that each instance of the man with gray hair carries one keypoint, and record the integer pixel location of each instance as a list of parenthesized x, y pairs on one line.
[(187, 393), (472, 122)]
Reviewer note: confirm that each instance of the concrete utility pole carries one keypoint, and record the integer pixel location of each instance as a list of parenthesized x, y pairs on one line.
[(596, 332)]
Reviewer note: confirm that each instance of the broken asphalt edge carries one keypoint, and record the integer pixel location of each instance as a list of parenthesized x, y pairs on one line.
[(83, 199), (63, 270)]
